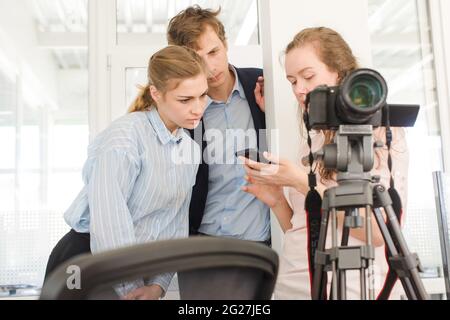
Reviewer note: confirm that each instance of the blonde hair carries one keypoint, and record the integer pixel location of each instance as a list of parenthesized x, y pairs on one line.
[(188, 25), (337, 55), (166, 69)]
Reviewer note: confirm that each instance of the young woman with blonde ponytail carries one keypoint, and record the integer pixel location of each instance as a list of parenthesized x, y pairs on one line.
[(136, 188)]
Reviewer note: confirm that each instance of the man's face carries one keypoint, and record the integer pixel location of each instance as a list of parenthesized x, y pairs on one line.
[(214, 52)]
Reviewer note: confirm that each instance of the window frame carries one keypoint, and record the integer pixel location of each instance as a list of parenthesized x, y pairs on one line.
[(439, 17)]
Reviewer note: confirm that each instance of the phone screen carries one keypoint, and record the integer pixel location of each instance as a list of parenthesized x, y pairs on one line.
[(253, 154)]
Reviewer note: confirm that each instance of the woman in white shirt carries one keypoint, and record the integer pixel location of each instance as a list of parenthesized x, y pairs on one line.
[(140, 170), (318, 56)]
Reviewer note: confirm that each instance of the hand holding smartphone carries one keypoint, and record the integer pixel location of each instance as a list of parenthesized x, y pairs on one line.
[(253, 154)]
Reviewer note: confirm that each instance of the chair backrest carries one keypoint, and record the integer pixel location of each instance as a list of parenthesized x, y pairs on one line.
[(211, 268), (441, 188)]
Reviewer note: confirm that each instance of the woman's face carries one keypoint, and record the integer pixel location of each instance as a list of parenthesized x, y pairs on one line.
[(305, 71), (184, 105)]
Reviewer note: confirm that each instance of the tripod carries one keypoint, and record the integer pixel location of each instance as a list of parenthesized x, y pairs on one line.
[(353, 156)]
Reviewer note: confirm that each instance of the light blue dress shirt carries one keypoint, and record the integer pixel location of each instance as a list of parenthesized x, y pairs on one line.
[(138, 182), (229, 211)]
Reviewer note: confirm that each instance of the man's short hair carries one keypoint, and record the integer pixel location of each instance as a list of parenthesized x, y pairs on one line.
[(188, 25)]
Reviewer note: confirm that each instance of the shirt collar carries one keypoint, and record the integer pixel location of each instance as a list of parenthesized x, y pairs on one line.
[(237, 84), (163, 133), (237, 87)]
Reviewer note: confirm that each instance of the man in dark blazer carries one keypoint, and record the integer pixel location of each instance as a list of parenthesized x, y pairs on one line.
[(233, 121)]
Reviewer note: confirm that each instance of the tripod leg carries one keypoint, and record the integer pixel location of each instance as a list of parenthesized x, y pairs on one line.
[(342, 278), (346, 229), (370, 261), (400, 242), (342, 285), (319, 277), (362, 281), (406, 283), (334, 244), (403, 248)]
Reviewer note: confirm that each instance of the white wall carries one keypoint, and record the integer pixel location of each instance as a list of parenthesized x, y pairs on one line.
[(245, 56), (279, 22)]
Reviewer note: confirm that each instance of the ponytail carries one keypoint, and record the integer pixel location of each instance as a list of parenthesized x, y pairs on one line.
[(144, 100)]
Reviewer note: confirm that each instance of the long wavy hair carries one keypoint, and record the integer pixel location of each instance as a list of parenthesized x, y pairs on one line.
[(337, 55)]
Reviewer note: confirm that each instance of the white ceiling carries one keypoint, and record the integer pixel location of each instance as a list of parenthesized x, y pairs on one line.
[(62, 25)]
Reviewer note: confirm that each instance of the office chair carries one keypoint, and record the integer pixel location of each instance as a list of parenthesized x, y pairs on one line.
[(212, 268)]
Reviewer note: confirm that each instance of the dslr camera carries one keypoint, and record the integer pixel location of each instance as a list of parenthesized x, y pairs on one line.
[(359, 100)]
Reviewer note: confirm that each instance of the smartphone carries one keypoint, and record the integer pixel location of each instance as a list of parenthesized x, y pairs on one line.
[(253, 154)]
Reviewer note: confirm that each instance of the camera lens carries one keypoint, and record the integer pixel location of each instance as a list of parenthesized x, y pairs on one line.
[(362, 94), (365, 92)]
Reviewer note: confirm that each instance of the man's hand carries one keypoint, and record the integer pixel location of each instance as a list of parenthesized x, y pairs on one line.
[(152, 292), (259, 94)]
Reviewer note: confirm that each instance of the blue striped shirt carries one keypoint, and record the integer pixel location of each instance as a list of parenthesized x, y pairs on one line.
[(138, 182)]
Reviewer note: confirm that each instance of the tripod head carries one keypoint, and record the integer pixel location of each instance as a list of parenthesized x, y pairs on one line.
[(352, 153)]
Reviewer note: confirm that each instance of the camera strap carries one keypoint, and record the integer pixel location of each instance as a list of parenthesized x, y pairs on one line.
[(313, 210), (391, 277)]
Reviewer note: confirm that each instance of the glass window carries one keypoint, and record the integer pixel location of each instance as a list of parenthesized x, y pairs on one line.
[(145, 21), (30, 147), (7, 145), (62, 138), (43, 129), (403, 53), (135, 78), (7, 118), (7, 190)]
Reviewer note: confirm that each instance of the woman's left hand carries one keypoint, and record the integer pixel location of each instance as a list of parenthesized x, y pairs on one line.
[(152, 292), (281, 172)]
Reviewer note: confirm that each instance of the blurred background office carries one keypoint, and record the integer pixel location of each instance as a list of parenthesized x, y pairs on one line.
[(70, 67)]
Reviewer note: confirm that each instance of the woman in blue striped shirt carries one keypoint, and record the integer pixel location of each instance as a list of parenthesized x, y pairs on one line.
[(140, 170)]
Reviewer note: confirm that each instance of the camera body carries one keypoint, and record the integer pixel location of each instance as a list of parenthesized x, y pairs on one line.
[(360, 99), (327, 110)]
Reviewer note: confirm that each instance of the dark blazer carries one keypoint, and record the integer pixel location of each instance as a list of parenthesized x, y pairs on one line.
[(248, 78)]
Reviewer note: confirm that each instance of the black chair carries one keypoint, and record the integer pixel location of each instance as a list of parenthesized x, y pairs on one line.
[(211, 268)]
